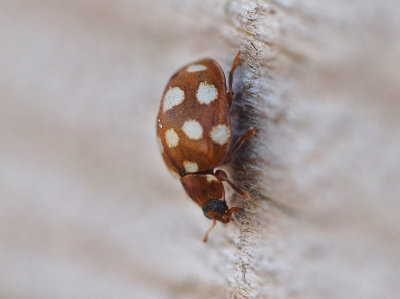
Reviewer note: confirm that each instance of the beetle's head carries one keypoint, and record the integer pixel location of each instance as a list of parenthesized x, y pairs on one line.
[(217, 209), (208, 192)]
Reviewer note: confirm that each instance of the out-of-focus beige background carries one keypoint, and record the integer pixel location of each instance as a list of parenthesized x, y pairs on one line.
[(87, 208)]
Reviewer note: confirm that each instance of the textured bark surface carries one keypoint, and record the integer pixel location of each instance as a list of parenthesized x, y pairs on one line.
[(88, 209)]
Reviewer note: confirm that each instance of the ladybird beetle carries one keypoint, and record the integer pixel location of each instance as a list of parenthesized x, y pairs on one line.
[(194, 133)]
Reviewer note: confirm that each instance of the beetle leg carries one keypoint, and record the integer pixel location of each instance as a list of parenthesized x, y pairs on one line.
[(234, 210), (222, 176), (230, 82), (205, 239), (250, 132)]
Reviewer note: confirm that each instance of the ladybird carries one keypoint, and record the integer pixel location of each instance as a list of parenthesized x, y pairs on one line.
[(194, 133)]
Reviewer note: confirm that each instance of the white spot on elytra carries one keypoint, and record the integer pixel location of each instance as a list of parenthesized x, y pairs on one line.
[(211, 178), (172, 138), (192, 129), (160, 145), (196, 68), (206, 93), (190, 167), (220, 134), (173, 97), (159, 123)]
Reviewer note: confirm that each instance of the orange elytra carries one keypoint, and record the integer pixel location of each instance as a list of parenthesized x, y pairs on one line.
[(194, 132)]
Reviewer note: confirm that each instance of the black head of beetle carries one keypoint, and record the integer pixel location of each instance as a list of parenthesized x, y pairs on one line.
[(217, 209)]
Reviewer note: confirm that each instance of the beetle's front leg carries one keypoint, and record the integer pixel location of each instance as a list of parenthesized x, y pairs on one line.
[(250, 132), (230, 92), (223, 177)]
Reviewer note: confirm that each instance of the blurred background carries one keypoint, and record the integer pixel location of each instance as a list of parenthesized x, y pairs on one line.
[(87, 207), (86, 201)]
